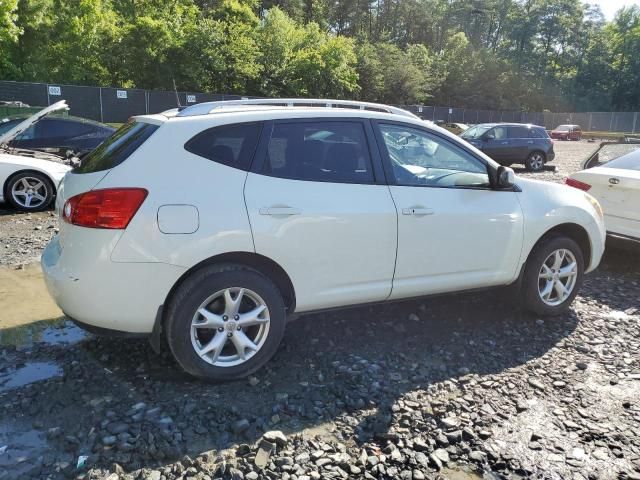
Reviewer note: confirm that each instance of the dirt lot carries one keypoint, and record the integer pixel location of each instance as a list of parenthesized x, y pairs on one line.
[(448, 388)]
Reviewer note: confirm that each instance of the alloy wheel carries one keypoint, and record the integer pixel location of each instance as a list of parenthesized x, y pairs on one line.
[(29, 192), (230, 327), (557, 277), (536, 161)]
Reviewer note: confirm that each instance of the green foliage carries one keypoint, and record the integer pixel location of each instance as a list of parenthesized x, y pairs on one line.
[(508, 54)]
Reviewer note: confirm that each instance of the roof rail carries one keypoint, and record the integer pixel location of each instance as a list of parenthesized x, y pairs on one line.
[(210, 107)]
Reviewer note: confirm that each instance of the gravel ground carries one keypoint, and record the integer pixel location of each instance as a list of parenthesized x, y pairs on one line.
[(463, 388)]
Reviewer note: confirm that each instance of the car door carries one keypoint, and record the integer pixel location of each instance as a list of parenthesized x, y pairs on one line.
[(519, 143), (495, 143), (318, 207), (454, 231)]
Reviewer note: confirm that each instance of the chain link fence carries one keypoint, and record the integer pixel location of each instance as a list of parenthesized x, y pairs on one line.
[(116, 105)]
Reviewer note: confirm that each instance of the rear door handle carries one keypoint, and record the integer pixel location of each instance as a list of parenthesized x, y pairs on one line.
[(417, 211), (504, 143), (275, 211), (530, 141)]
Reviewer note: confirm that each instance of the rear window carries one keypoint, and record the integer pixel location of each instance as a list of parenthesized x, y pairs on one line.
[(117, 148), (232, 145)]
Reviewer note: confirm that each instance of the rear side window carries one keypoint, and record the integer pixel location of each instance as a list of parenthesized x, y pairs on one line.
[(232, 145), (117, 148), (319, 151), (518, 132)]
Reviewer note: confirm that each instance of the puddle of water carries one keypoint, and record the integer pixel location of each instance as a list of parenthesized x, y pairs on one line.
[(53, 332), (24, 298), (30, 373), (23, 446)]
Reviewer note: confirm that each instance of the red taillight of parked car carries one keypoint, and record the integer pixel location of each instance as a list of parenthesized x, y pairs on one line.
[(107, 208), (577, 184)]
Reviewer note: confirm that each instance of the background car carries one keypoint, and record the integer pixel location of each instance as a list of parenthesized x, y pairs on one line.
[(567, 132), (509, 143), (64, 136), (456, 128), (612, 176), (29, 179)]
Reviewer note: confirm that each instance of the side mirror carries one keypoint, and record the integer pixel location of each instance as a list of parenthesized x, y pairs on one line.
[(506, 177), (489, 136)]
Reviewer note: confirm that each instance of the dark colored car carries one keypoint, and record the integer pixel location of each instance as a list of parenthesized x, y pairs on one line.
[(567, 132), (509, 143), (64, 136)]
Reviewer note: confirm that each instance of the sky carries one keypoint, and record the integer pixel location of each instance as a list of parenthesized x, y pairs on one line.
[(610, 7)]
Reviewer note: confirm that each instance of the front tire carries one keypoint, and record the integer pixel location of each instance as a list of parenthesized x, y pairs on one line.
[(553, 275), (535, 161), (225, 322), (29, 192)]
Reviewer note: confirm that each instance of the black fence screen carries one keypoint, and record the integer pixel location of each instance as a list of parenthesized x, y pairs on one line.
[(116, 105)]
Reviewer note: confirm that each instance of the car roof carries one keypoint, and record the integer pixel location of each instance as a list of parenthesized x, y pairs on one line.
[(66, 118), (507, 124)]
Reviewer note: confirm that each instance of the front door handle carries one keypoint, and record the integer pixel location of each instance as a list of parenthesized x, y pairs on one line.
[(504, 143), (417, 211), (275, 211)]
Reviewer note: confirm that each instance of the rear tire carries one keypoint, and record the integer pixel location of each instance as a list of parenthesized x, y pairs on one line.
[(555, 259), (535, 161), (29, 192), (230, 340)]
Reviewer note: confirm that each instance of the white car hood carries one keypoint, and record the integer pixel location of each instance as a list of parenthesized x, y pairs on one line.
[(48, 166), (27, 122)]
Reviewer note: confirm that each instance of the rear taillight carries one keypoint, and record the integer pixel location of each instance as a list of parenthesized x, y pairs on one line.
[(577, 184), (106, 208)]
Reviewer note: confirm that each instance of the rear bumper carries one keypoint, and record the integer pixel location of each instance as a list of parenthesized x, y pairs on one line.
[(105, 295)]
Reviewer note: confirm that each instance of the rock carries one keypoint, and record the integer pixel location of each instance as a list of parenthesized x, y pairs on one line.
[(109, 440), (265, 449), (241, 426), (435, 461), (477, 456), (153, 475), (418, 475), (537, 384), (442, 454), (275, 436)]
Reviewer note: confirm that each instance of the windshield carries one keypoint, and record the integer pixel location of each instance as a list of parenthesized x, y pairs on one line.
[(631, 161), (477, 131), (117, 148), (563, 128)]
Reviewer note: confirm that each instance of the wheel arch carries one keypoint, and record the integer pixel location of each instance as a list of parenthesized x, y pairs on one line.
[(264, 265), (27, 170), (575, 232)]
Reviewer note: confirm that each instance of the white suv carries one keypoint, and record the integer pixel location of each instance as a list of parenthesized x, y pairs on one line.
[(212, 224)]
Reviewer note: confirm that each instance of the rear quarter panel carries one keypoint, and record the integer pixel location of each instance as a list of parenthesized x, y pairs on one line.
[(174, 176)]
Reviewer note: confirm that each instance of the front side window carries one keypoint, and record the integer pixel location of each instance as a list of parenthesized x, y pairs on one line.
[(232, 145), (476, 132), (499, 133), (319, 151), (420, 158)]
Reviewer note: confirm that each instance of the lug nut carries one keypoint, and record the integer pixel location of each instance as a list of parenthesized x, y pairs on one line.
[(225, 318), (237, 317), (239, 328), (229, 334), (220, 329)]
